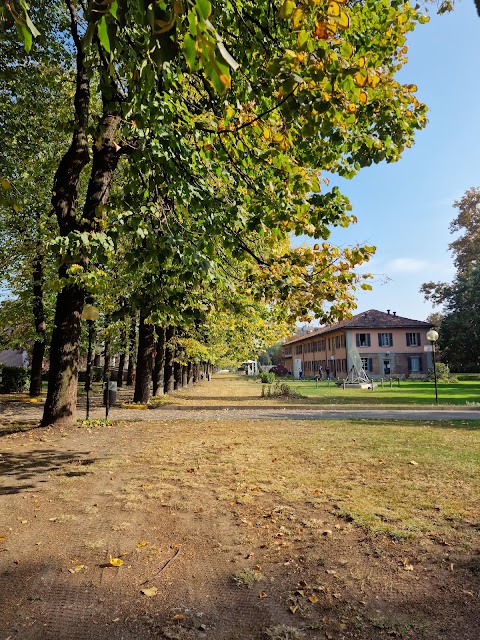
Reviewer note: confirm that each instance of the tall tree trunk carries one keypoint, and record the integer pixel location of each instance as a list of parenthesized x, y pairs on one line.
[(184, 375), (39, 320), (61, 401), (190, 374), (146, 334), (107, 356), (62, 384), (159, 366), (169, 383), (132, 349), (121, 361)]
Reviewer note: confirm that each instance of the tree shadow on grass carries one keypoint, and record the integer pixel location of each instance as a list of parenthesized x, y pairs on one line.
[(26, 470), (467, 424)]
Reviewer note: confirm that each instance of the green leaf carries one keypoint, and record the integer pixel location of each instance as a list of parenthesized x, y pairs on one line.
[(103, 34), (204, 8), (114, 8), (286, 9), (190, 51)]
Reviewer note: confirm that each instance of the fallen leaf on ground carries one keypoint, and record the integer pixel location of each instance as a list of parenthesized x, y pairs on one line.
[(142, 543), (115, 562), (150, 591), (293, 608), (412, 462), (313, 598), (78, 568), (262, 595), (178, 616)]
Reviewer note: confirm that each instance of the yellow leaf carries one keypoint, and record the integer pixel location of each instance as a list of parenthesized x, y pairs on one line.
[(115, 562), (313, 598), (344, 20), (333, 9), (150, 591), (373, 80), (351, 108), (361, 78), (225, 80), (6, 184), (363, 97), (178, 616), (266, 133), (78, 568), (293, 608), (316, 247), (142, 543), (361, 62), (297, 17)]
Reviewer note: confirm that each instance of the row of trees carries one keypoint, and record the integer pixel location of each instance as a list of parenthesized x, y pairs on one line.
[(185, 141), (459, 323)]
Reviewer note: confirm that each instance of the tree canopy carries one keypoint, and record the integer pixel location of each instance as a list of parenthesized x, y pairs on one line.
[(200, 134)]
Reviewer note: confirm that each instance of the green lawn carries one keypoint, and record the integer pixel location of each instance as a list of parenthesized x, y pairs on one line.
[(409, 393)]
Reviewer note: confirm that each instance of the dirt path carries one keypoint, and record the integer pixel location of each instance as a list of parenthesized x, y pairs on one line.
[(227, 550)]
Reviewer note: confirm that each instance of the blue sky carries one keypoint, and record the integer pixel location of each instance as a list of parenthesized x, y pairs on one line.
[(405, 209)]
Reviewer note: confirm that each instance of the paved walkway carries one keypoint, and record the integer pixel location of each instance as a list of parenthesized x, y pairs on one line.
[(22, 411)]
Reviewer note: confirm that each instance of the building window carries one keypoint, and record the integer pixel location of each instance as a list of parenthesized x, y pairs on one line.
[(413, 339), (363, 339), (385, 340), (298, 350), (367, 364), (288, 351), (414, 364)]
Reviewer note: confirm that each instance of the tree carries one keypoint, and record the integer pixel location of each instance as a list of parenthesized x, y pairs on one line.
[(459, 339), (33, 106), (316, 92)]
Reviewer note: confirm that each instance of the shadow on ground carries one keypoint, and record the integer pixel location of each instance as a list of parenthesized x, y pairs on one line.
[(26, 470)]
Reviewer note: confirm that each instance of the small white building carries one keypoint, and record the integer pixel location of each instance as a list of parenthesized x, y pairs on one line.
[(251, 367)]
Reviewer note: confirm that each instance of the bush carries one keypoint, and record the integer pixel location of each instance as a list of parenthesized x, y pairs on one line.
[(13, 379), (267, 378), (443, 374), (280, 390)]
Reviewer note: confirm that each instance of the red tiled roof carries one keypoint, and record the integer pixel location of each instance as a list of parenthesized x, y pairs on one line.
[(371, 319)]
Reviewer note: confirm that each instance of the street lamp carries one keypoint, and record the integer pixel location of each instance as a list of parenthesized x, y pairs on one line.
[(90, 314), (432, 335)]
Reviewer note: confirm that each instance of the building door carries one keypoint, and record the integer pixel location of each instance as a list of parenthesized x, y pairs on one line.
[(386, 367)]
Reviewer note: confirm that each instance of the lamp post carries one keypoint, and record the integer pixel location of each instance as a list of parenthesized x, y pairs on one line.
[(432, 335), (90, 314)]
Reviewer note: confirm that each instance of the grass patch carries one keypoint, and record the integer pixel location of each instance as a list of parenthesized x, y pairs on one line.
[(402, 479), (408, 393)]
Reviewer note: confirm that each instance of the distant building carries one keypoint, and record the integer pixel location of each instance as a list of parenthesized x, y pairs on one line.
[(14, 358), (383, 344)]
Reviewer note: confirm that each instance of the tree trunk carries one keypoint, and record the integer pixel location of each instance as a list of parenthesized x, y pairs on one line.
[(61, 401), (62, 383), (121, 367), (190, 374), (107, 356), (169, 383), (39, 321), (143, 379), (184, 375), (132, 344), (159, 366)]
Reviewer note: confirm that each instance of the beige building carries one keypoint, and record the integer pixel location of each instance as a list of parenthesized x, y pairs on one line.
[(383, 343)]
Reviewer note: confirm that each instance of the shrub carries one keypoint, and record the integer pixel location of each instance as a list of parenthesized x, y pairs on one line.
[(280, 390), (13, 379), (267, 378), (443, 374)]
